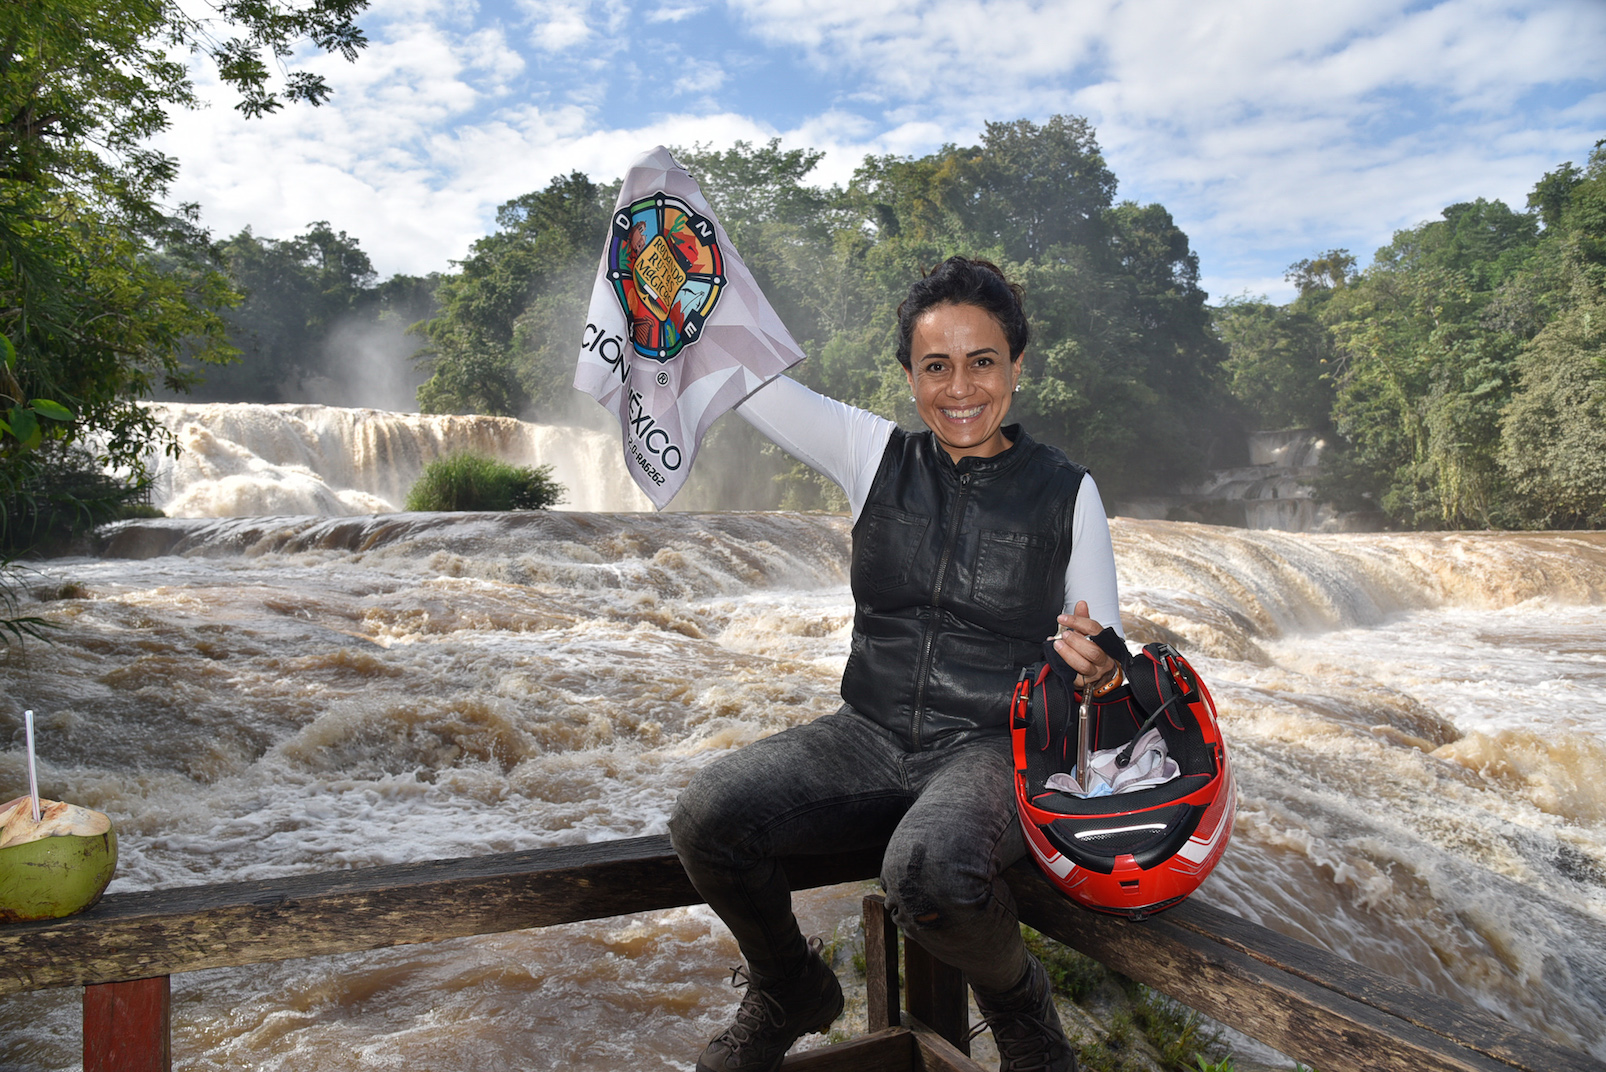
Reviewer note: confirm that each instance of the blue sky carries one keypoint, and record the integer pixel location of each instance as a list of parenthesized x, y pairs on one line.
[(1272, 129)]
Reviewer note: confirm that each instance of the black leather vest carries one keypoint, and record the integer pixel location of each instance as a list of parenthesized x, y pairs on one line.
[(958, 576)]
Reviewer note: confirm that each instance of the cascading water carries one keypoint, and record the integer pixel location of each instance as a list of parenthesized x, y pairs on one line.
[(1416, 721), (239, 460), (1273, 490)]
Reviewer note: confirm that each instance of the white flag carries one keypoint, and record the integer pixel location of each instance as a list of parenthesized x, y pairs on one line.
[(678, 331)]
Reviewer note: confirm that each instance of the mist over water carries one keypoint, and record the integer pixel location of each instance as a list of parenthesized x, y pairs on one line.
[(368, 364), (1416, 724)]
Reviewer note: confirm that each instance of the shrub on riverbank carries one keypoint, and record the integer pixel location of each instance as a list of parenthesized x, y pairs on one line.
[(51, 499), (478, 482), (54, 497)]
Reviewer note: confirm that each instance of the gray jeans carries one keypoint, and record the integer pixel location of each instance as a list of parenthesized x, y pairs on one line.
[(946, 817)]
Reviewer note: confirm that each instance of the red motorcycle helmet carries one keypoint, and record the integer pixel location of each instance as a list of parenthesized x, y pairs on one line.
[(1134, 853)]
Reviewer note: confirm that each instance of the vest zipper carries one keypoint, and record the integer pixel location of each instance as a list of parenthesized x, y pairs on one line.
[(923, 669)]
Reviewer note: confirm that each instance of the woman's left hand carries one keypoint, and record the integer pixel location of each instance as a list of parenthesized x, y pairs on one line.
[(1092, 665)]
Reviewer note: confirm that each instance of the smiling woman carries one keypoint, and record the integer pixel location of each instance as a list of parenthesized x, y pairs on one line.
[(971, 542), (962, 371)]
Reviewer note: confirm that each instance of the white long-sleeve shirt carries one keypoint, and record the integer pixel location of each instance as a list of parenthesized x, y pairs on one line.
[(845, 444)]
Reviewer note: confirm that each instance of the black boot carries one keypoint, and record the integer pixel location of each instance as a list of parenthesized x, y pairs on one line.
[(773, 1015), (1026, 1026)]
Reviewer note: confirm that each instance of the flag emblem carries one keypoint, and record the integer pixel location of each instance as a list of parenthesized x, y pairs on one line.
[(665, 264), (666, 270)]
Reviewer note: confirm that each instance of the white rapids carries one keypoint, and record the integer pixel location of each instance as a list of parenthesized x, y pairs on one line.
[(1417, 726)]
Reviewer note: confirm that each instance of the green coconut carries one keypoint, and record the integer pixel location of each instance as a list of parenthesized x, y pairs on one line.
[(57, 866)]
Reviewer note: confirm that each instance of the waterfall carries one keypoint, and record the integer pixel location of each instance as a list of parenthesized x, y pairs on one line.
[(242, 460)]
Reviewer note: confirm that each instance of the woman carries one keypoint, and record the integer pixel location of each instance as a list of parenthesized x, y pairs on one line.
[(970, 541)]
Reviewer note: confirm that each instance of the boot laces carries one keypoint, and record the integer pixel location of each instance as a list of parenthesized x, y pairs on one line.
[(759, 1013), (1026, 1043)]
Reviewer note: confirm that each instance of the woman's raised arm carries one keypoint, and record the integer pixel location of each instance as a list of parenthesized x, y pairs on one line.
[(842, 442)]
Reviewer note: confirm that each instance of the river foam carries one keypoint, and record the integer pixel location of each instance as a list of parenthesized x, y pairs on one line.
[(1415, 723)]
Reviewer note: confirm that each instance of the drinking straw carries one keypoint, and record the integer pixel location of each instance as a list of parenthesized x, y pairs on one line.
[(33, 776)]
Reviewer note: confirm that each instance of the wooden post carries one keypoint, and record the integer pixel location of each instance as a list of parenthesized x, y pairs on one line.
[(934, 994), (127, 1026), (880, 964)]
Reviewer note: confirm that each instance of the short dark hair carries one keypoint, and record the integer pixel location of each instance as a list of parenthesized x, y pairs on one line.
[(964, 281)]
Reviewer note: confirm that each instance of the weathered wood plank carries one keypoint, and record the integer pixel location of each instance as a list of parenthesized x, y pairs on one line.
[(1471, 1027), (935, 995), (1302, 1000), (127, 1026), (888, 1050), (937, 1054), (139, 935), (1327, 1027), (880, 964)]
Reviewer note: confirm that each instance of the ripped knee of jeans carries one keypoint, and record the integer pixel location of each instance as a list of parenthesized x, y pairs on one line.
[(910, 896)]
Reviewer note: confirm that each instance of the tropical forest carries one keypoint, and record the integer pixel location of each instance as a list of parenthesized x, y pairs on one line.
[(1458, 373)]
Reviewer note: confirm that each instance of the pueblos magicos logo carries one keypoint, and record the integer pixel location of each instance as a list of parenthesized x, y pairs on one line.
[(667, 271)]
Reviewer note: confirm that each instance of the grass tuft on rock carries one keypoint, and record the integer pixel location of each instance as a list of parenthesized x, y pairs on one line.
[(479, 482), (1142, 1029)]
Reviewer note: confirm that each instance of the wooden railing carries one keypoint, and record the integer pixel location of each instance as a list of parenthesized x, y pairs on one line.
[(1304, 1001)]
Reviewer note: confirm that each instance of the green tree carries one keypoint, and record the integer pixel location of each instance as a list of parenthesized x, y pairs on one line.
[(1030, 188), (1316, 277), (1582, 229), (84, 84), (1553, 433), (538, 264), (1123, 344), (1130, 380), (1553, 445), (294, 291), (1484, 241), (1121, 340), (302, 298), (94, 319), (1470, 374), (1026, 189), (1280, 362), (761, 186), (103, 290), (1419, 395), (1424, 371)]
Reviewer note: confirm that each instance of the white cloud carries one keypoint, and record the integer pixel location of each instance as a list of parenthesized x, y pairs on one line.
[(948, 53), (558, 24), (675, 12), (564, 26), (1271, 130), (371, 163), (1304, 126)]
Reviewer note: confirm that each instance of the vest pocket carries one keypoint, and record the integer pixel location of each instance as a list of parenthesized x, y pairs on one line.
[(884, 548), (1012, 572)]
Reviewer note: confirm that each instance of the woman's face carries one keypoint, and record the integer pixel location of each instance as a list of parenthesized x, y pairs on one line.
[(962, 378)]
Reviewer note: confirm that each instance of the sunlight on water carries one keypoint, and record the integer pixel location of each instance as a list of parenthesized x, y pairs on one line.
[(1416, 724)]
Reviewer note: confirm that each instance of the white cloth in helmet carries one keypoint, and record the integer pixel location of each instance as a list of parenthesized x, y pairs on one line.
[(1151, 765)]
